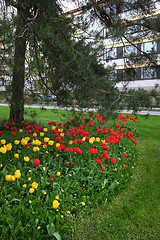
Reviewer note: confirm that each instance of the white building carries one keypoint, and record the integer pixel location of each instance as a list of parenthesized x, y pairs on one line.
[(5, 71), (116, 52)]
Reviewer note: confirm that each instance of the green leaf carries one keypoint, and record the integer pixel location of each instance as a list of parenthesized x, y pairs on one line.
[(36, 221), (105, 181), (15, 199), (57, 236), (51, 229), (114, 185), (48, 230), (47, 198), (55, 184)]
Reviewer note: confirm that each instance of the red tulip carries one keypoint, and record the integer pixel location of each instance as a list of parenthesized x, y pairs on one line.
[(113, 160), (36, 162)]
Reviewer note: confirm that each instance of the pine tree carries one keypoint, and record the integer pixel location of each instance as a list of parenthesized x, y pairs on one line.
[(39, 31)]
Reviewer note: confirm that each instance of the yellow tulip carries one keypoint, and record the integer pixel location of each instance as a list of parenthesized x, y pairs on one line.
[(16, 155), (55, 204), (9, 146), (16, 142), (35, 149), (97, 139), (41, 134), (3, 150), (31, 190), (13, 178), (34, 185), (57, 197), (23, 141), (8, 177), (26, 159), (46, 139), (57, 145), (17, 174), (3, 141), (50, 142)]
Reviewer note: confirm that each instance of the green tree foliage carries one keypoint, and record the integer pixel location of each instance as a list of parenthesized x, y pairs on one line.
[(48, 57)]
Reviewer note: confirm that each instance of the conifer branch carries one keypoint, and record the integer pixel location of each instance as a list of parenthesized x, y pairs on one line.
[(36, 15), (22, 35), (103, 12), (43, 82), (95, 87)]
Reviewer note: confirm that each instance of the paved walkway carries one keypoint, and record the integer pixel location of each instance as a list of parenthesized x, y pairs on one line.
[(155, 111), (143, 112)]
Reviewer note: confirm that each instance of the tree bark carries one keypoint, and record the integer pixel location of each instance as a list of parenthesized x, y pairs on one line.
[(17, 99)]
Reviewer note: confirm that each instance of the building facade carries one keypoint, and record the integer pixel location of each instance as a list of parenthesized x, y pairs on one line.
[(123, 55), (5, 55)]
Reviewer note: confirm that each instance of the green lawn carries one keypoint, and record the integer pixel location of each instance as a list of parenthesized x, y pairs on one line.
[(135, 212), (39, 115)]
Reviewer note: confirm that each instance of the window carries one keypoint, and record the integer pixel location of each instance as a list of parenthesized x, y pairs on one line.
[(129, 74), (113, 8), (105, 30), (78, 36), (8, 83), (110, 9), (133, 29), (113, 75), (149, 47), (129, 29), (120, 52), (130, 50), (111, 53), (148, 73), (78, 18), (1, 82)]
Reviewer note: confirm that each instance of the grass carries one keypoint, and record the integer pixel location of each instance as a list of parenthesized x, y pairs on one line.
[(39, 115), (135, 212)]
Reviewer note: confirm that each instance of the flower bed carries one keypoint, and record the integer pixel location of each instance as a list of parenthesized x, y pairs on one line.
[(48, 174)]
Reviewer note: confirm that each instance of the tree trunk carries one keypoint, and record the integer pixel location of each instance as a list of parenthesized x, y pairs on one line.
[(17, 99)]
